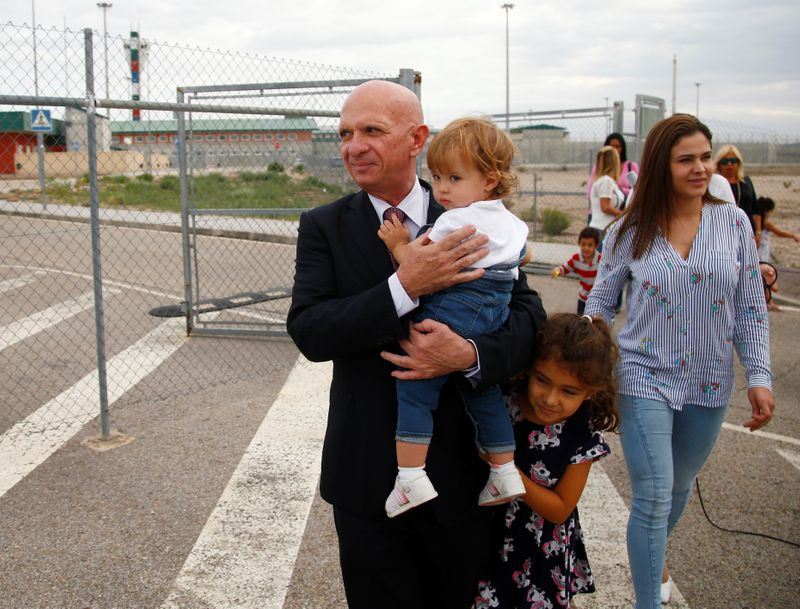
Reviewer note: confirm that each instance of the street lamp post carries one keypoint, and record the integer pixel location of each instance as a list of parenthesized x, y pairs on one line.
[(105, 6), (697, 110), (507, 6)]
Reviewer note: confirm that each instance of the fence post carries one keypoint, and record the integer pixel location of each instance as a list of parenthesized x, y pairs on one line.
[(184, 184), (94, 212), (412, 80), (535, 207), (42, 178)]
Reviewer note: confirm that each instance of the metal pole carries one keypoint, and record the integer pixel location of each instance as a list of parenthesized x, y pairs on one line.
[(105, 6), (94, 213), (184, 190), (674, 79), (697, 111), (507, 6), (412, 81), (535, 207), (39, 134), (35, 62)]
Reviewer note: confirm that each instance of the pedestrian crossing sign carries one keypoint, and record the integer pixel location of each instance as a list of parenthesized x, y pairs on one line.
[(40, 120)]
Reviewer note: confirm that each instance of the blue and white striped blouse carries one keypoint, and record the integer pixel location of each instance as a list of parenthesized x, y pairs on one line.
[(685, 317)]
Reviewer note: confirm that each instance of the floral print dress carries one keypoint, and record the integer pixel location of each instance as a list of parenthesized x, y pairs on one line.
[(541, 565)]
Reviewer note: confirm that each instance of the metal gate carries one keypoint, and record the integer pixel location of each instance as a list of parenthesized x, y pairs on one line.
[(239, 262)]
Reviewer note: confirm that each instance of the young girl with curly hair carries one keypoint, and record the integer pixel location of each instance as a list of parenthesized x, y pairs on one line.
[(560, 413)]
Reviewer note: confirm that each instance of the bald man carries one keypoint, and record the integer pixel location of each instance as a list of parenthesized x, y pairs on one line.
[(350, 305)]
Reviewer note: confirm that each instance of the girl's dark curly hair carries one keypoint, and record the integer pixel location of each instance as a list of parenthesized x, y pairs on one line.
[(585, 346)]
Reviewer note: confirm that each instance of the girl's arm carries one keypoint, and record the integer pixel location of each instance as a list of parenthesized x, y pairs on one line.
[(779, 232), (611, 276), (605, 190), (605, 205), (557, 503)]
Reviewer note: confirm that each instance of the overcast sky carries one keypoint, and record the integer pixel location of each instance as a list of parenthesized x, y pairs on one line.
[(563, 53)]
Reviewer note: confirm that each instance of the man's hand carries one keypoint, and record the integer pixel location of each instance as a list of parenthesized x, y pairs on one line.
[(433, 349), (430, 267), (762, 403)]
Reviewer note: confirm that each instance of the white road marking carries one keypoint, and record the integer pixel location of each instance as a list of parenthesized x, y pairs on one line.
[(19, 282), (31, 441), (272, 319), (791, 456), (604, 519), (110, 282), (42, 320), (246, 552), (247, 549), (762, 434)]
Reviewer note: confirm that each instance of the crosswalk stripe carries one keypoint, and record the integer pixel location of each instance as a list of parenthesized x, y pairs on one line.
[(791, 456), (249, 545), (768, 435), (42, 320), (19, 282), (32, 440)]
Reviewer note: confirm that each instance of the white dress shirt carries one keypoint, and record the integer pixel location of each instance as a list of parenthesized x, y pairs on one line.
[(415, 207)]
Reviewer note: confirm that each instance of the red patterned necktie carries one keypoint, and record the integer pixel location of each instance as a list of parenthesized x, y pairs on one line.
[(393, 212)]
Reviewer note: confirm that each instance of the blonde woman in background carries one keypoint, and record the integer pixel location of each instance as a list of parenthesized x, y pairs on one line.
[(605, 196), (730, 165)]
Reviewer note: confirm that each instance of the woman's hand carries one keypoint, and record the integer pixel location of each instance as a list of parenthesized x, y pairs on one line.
[(763, 404)]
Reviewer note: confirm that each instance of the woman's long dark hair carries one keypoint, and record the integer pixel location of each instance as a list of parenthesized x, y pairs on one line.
[(652, 205), (623, 153)]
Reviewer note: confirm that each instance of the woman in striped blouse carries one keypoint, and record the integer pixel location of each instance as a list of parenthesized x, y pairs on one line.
[(695, 296)]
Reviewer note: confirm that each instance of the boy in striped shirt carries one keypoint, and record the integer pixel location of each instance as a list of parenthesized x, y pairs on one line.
[(584, 264)]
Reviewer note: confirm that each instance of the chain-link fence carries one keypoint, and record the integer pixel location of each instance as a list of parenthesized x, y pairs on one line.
[(556, 151), (148, 190)]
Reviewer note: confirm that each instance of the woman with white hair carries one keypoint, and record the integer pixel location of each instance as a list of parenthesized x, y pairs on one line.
[(730, 165)]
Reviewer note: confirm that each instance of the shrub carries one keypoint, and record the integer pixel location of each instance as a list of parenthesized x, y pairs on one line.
[(145, 177), (169, 183), (313, 182), (252, 176), (212, 178), (276, 167), (554, 221)]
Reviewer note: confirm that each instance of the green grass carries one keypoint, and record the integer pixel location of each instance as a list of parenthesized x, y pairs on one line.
[(248, 190)]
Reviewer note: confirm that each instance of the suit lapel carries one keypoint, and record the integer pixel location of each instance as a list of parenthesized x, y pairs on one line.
[(362, 225)]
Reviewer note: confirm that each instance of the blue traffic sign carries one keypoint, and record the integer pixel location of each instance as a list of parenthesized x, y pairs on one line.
[(40, 120)]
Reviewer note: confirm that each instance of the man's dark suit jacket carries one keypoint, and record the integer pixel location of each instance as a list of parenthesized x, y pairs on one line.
[(342, 310)]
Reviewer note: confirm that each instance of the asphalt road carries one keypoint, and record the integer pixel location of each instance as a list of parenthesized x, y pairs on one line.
[(119, 528)]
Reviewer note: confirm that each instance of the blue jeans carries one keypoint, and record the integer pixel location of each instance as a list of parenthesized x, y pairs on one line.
[(664, 450), (470, 309)]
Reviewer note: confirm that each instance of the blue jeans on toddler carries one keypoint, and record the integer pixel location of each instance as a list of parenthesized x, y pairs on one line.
[(470, 309), (664, 450)]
